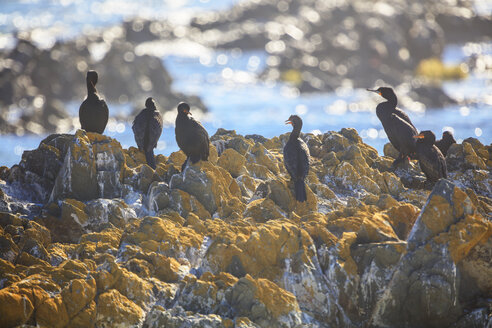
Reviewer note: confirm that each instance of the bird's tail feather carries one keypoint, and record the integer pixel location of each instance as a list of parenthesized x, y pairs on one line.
[(300, 190), (149, 156)]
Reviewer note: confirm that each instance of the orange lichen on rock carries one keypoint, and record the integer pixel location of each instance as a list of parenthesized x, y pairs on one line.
[(464, 235), (346, 261), (439, 214)]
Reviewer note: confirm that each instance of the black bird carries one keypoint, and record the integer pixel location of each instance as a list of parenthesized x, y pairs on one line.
[(191, 136), (93, 112), (397, 125), (446, 142), (430, 158), (147, 128), (297, 158)]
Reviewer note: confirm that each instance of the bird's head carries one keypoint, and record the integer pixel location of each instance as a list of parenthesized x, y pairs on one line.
[(184, 108), (385, 92), (92, 77), (447, 135), (426, 137), (150, 103), (295, 120)]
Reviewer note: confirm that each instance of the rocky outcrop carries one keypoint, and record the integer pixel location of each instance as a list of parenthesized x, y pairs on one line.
[(113, 242), (320, 47), (37, 82)]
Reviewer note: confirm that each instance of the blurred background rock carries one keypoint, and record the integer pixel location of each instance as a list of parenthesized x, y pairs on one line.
[(309, 57)]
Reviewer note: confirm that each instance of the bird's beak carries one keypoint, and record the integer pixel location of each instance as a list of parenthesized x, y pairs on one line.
[(376, 91), (418, 136), (187, 112), (288, 122)]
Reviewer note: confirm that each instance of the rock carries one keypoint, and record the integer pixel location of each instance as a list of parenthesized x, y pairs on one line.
[(263, 210), (416, 295), (177, 317), (390, 151), (24, 80), (8, 249), (352, 52), (205, 247), (232, 161), (210, 185), (78, 294), (15, 309), (92, 168), (52, 312), (115, 309), (264, 302)]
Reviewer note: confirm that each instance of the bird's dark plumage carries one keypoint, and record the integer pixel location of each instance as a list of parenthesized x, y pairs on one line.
[(147, 128), (297, 158), (93, 112), (191, 136), (397, 125), (430, 158), (446, 142)]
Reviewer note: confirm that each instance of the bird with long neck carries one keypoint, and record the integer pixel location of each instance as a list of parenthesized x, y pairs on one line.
[(93, 112), (430, 158), (396, 124), (297, 158), (191, 136), (147, 128)]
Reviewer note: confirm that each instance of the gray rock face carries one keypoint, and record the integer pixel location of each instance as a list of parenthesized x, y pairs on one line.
[(91, 169), (425, 286), (178, 318), (195, 182)]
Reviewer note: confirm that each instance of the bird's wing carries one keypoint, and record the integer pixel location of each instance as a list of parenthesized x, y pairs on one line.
[(401, 114), (105, 109), (155, 129), (138, 127), (402, 134), (200, 131), (304, 159), (428, 166), (290, 159)]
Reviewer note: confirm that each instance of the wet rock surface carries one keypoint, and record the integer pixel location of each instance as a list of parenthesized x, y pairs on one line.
[(91, 236)]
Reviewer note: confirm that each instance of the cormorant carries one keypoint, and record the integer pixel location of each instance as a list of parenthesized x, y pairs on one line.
[(93, 112), (147, 128), (446, 142), (191, 136), (430, 158), (297, 158), (397, 125)]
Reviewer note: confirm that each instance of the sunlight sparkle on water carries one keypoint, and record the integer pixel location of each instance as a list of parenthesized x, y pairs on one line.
[(464, 111)]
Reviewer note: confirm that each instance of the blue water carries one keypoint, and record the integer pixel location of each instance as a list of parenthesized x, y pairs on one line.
[(228, 85)]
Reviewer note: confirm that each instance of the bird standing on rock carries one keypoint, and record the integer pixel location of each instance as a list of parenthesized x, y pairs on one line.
[(191, 136), (297, 158), (147, 128), (396, 124), (430, 158), (93, 112), (446, 142)]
